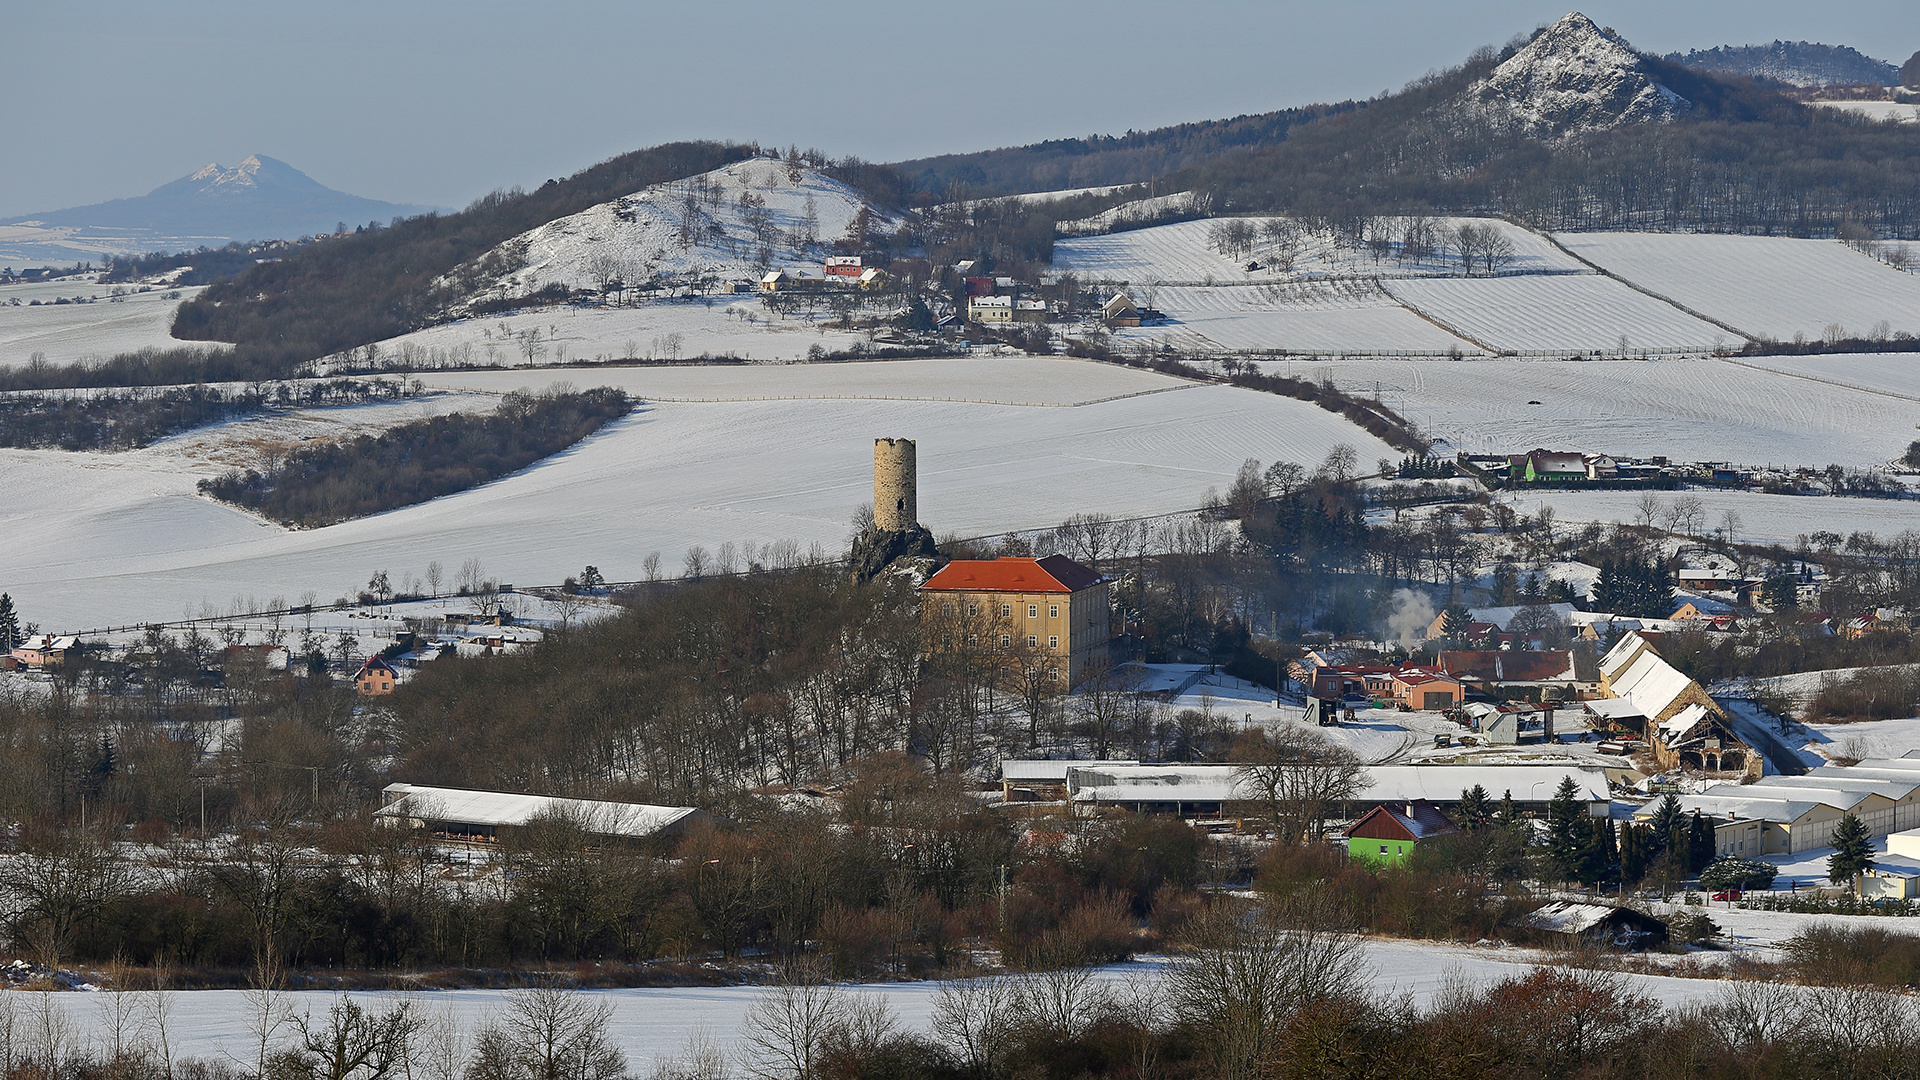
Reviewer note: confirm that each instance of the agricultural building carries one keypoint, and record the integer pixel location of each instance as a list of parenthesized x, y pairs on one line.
[(463, 814)]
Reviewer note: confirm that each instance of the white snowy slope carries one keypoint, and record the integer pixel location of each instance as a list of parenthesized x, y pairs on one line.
[(100, 328), (1764, 286), (696, 226), (99, 539), (1686, 409), (1575, 77)]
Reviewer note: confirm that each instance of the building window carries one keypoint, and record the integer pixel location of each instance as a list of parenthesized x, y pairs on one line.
[(1005, 640), (1053, 611), (1053, 641), (1033, 611), (1031, 641), (972, 610), (973, 639), (1006, 611), (947, 609), (1383, 849)]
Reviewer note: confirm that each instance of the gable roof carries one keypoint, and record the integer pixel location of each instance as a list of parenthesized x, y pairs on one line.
[(1509, 666), (1053, 574), (376, 662), (1418, 820)]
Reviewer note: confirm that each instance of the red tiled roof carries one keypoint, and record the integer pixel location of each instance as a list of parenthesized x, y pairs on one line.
[(1053, 574), (1386, 822)]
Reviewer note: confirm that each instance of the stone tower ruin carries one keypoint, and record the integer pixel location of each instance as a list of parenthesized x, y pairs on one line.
[(895, 504)]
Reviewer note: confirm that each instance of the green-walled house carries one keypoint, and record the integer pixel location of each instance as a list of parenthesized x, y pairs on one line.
[(1388, 834)]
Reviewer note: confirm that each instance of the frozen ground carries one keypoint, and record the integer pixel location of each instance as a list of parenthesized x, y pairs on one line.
[(98, 539), (65, 333), (653, 1024), (1765, 519), (1183, 254), (656, 330), (1866, 739), (1555, 313), (1033, 381), (1765, 286), (1309, 317), (1687, 409), (1893, 374), (1903, 111)]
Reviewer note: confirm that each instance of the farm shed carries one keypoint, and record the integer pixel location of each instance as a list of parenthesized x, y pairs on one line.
[(1598, 924), (465, 814)]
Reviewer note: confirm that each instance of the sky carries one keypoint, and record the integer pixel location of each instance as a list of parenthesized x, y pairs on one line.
[(435, 103)]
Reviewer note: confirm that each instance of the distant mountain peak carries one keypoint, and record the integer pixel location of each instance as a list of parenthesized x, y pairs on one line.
[(260, 198), (1573, 77)]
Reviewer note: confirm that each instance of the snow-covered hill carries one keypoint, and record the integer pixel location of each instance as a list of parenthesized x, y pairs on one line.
[(1573, 78), (1796, 63), (730, 224)]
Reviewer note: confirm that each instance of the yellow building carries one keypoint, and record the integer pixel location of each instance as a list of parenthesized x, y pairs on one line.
[(1051, 608)]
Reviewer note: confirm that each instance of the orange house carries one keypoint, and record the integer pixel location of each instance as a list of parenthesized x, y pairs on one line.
[(1053, 607), (376, 677)]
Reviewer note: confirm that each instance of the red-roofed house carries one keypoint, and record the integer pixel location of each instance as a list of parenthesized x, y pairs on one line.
[(376, 676), (1050, 607)]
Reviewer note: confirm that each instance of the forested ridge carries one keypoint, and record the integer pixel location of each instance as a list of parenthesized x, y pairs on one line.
[(417, 461)]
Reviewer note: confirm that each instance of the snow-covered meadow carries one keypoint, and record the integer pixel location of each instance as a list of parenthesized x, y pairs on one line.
[(1555, 312), (1764, 519), (65, 333), (108, 539), (1763, 286), (654, 1024), (1685, 408), (1307, 317)]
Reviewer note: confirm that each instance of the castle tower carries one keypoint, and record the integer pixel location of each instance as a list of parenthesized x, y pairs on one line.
[(895, 503)]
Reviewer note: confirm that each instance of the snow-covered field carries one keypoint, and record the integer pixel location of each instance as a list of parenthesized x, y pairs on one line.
[(658, 330), (654, 1024), (1002, 381), (99, 539), (1687, 409), (1773, 519), (1555, 312), (1867, 739), (1309, 317), (1183, 254), (1765, 286), (65, 333), (1896, 374), (1903, 111)]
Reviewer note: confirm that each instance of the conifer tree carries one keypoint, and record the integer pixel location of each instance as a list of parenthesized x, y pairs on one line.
[(10, 636), (1699, 848), (1476, 808), (1567, 830), (1852, 851)]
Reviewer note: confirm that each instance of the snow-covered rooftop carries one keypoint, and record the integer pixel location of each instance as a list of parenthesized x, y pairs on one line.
[(496, 808)]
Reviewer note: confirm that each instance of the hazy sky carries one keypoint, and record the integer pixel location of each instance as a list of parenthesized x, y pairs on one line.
[(436, 103)]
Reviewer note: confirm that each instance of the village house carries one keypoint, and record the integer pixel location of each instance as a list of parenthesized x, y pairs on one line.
[(1533, 676), (1120, 311), (1387, 835), (1052, 606), (45, 651), (375, 677)]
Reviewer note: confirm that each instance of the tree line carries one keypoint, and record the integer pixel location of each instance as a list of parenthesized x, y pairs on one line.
[(322, 484)]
